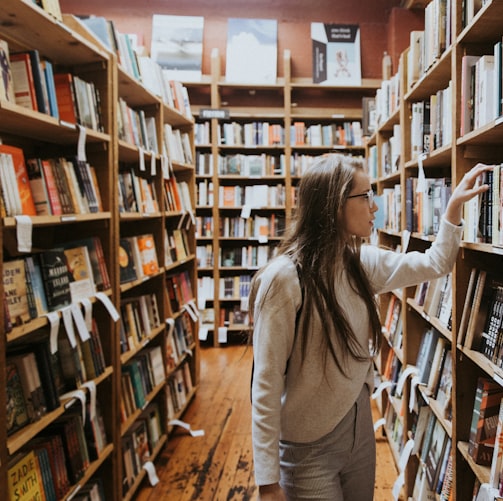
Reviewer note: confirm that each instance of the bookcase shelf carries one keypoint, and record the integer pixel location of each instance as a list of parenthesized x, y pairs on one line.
[(86, 331), (280, 104), (439, 160)]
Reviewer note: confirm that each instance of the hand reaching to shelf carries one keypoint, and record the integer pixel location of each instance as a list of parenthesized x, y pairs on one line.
[(471, 185)]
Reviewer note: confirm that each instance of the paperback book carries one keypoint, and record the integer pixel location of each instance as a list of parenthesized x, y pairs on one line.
[(336, 54)]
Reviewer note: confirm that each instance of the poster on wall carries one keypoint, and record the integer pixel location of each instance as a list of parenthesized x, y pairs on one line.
[(177, 46), (336, 54), (251, 55)]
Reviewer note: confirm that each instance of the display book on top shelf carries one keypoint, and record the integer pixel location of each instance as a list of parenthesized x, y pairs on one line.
[(429, 153), (248, 163), (58, 350)]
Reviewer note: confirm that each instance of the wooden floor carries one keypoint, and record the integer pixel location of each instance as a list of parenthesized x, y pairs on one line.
[(219, 465)]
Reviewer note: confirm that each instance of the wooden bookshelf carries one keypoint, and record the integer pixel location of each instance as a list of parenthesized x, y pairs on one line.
[(72, 48), (280, 104), (450, 159)]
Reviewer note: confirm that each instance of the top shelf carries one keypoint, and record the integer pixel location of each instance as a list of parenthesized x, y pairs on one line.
[(25, 25)]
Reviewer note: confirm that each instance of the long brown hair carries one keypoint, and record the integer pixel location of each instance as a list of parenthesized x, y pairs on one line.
[(319, 245)]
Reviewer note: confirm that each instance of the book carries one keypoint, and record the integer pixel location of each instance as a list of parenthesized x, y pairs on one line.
[(17, 413), (251, 51), (39, 81), (177, 46), (22, 76), (65, 96), (33, 391), (127, 266), (80, 270), (15, 291), (435, 454), (22, 182), (484, 422), (38, 186), (497, 459), (48, 72), (35, 285), (51, 186), (24, 478), (148, 254), (7, 84), (56, 278), (336, 54)]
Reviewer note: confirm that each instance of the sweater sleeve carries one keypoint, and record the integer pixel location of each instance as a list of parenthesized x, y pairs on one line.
[(278, 297), (388, 270)]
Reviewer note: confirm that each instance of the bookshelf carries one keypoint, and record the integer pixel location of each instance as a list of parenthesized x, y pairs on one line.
[(443, 156), (134, 329), (251, 149)]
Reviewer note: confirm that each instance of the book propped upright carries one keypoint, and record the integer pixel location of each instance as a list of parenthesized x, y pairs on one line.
[(252, 54), (336, 54), (7, 83), (177, 46)]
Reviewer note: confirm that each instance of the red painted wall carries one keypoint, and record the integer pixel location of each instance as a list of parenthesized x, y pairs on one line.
[(294, 18)]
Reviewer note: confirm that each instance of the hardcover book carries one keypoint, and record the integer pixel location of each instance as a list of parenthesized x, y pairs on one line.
[(177, 46), (17, 414), (336, 54), (7, 84), (22, 182), (25, 478), (15, 291), (56, 278), (252, 54)]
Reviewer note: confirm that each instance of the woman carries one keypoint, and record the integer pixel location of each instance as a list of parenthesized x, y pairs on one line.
[(316, 329)]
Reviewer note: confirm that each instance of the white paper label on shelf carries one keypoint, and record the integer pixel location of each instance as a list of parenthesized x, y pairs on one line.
[(183, 424), (91, 386), (192, 305), (397, 486), (405, 240), (381, 388), (68, 323), (149, 467), (79, 322), (404, 456), (81, 144), (164, 167), (222, 334), (412, 397), (190, 311), (53, 318), (421, 177), (171, 323), (76, 395), (246, 211), (487, 493), (141, 158), (379, 423), (203, 332), (262, 239), (24, 231), (112, 310), (411, 370), (88, 312), (153, 166)]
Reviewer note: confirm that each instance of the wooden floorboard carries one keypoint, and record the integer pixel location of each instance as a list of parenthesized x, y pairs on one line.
[(219, 465)]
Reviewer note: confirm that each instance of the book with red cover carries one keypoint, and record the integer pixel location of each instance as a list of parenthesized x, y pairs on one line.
[(52, 189), (22, 180), (66, 97)]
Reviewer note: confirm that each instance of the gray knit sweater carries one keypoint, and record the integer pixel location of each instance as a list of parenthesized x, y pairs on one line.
[(309, 401)]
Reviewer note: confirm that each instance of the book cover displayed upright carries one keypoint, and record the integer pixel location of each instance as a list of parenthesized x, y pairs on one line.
[(56, 278), (7, 83), (252, 54), (336, 54), (177, 46)]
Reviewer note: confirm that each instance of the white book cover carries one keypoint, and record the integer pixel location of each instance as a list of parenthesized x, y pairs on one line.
[(177, 46), (336, 54), (252, 52)]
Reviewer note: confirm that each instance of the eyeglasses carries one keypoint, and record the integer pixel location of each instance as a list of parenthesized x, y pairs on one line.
[(369, 195)]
